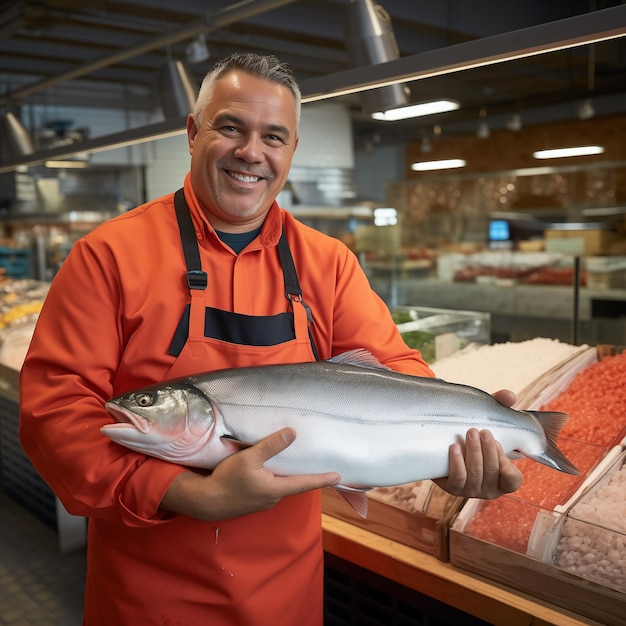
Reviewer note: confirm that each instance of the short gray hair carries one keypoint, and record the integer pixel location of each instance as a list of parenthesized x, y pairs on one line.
[(266, 67)]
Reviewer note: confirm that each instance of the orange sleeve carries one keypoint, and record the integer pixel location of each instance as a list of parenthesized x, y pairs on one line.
[(67, 376)]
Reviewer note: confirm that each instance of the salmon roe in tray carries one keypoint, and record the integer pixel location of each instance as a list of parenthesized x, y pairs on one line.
[(505, 522), (508, 521), (596, 403)]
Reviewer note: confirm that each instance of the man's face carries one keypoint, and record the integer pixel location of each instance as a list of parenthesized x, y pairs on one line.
[(242, 152)]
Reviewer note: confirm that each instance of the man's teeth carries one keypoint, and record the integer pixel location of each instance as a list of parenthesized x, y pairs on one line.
[(244, 178)]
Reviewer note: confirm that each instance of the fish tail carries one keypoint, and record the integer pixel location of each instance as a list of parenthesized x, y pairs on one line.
[(552, 422)]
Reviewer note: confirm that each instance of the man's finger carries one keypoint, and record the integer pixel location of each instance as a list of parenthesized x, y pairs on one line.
[(273, 444), (308, 482), (505, 396)]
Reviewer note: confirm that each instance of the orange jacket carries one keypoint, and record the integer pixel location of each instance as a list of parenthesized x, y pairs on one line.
[(106, 327)]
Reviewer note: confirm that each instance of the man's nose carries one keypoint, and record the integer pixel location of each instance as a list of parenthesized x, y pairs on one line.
[(250, 148)]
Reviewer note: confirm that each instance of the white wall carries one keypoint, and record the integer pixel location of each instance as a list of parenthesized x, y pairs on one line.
[(325, 136), (167, 164), (375, 168)]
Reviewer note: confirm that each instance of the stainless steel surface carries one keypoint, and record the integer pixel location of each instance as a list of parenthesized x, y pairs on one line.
[(15, 139), (177, 90), (370, 40)]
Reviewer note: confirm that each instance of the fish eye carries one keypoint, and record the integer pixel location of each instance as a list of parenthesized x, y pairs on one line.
[(145, 399)]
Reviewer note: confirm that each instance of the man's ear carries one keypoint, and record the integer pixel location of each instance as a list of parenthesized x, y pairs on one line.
[(192, 131)]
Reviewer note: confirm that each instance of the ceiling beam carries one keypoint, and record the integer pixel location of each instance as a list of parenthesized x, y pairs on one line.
[(211, 21), (527, 42)]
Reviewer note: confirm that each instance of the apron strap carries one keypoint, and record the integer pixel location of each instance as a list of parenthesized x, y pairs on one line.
[(196, 278), (293, 291)]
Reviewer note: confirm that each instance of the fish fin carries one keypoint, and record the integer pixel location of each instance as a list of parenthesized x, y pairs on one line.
[(552, 422), (360, 357), (356, 498), (233, 444)]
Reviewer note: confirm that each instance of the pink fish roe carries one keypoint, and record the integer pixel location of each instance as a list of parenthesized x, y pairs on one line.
[(596, 403)]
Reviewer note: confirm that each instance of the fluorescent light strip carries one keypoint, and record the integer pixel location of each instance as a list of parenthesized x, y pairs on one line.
[(66, 164), (558, 153), (572, 32), (443, 164), (416, 110)]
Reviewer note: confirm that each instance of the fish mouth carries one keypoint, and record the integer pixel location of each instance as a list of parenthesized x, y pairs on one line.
[(127, 419)]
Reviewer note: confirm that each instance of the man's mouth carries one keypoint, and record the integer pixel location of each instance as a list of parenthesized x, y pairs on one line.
[(243, 178)]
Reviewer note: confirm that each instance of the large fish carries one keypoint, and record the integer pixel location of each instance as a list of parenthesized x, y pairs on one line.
[(352, 415)]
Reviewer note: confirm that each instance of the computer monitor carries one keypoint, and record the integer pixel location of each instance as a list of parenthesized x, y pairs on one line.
[(499, 230)]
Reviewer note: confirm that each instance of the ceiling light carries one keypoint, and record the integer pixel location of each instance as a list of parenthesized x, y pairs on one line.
[(177, 89), (66, 164), (370, 40), (197, 51), (416, 110), (586, 110), (515, 122), (16, 142), (528, 42), (558, 153), (482, 132), (442, 164)]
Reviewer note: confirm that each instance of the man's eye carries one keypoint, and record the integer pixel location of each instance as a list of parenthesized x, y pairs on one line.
[(274, 139)]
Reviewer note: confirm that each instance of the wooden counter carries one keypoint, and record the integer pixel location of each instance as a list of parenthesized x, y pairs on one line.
[(417, 570)]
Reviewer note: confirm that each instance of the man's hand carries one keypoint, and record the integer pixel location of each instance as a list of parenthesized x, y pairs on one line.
[(482, 470), (241, 484)]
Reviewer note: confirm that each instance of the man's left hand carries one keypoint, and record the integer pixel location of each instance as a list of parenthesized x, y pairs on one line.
[(481, 470)]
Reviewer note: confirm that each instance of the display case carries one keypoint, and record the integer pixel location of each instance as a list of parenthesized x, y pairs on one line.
[(572, 554), (588, 538), (438, 333), (562, 538)]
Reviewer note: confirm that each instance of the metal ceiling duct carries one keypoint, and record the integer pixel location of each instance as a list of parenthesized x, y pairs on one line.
[(370, 40), (177, 90), (16, 142)]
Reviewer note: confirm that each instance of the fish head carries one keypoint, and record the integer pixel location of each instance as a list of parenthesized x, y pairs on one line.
[(175, 422)]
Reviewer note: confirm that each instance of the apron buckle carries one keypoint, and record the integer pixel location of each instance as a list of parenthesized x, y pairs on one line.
[(296, 297), (197, 279)]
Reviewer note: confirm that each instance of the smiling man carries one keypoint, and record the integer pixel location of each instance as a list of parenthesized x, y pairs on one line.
[(213, 276), (242, 144)]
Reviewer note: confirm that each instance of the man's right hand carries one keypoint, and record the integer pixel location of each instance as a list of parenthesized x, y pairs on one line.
[(241, 484)]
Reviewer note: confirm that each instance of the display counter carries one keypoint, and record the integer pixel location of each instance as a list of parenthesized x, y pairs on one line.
[(21, 481), (484, 599), (525, 311)]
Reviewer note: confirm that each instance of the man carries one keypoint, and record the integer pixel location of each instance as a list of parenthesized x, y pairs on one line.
[(214, 276)]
